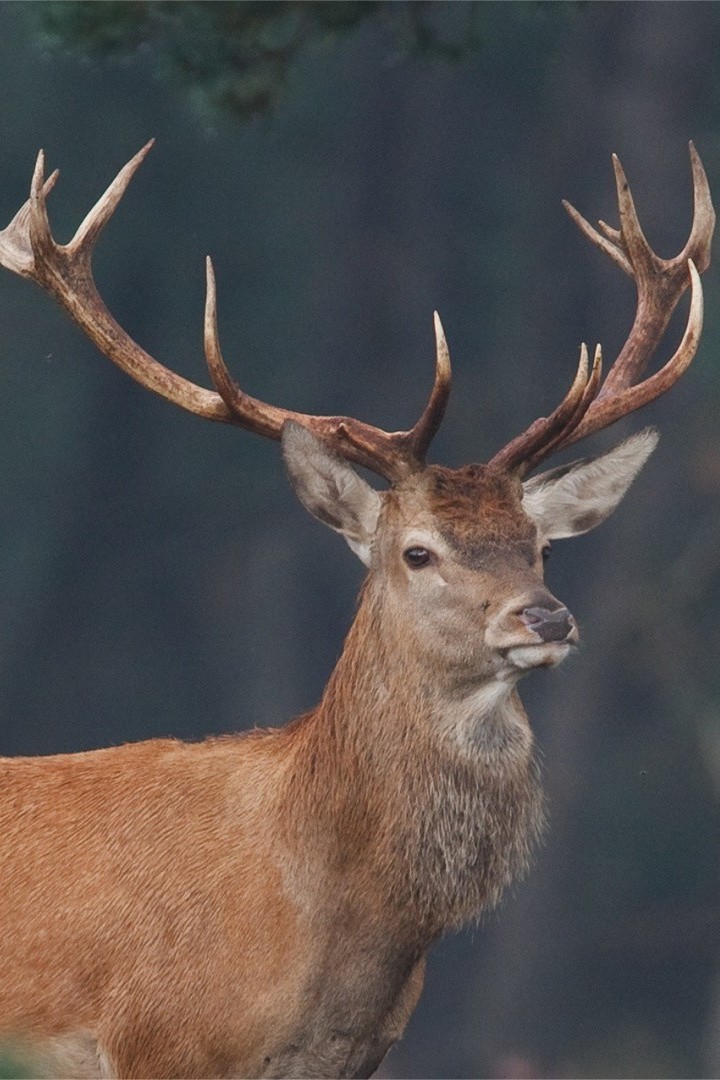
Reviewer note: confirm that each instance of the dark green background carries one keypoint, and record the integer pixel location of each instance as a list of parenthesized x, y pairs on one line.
[(156, 574)]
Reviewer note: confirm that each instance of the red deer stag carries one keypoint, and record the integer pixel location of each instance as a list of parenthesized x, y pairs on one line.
[(262, 905)]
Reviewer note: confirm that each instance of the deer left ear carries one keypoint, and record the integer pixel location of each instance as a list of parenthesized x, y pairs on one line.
[(573, 499), (330, 489)]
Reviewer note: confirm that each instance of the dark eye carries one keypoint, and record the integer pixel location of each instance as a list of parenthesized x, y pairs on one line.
[(546, 552), (417, 557)]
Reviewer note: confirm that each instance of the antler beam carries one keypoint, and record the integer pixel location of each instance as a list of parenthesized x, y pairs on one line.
[(27, 248)]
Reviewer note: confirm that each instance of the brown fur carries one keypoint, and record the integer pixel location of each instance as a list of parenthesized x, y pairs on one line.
[(262, 905)]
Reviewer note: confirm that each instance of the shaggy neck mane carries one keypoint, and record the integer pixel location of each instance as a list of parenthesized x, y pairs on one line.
[(382, 781)]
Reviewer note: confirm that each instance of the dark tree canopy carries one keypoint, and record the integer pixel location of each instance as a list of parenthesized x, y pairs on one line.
[(238, 55)]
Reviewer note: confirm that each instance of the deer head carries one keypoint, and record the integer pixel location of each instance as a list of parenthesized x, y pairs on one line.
[(459, 552)]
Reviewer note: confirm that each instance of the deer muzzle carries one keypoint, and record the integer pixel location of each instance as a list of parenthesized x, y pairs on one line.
[(533, 631), (548, 624)]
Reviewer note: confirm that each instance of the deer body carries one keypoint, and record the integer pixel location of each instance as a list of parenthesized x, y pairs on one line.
[(326, 856), (138, 959), (261, 905)]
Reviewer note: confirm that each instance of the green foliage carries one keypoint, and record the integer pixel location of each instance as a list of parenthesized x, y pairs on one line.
[(10, 1069), (237, 56)]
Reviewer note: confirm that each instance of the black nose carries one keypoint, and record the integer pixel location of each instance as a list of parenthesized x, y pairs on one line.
[(548, 625)]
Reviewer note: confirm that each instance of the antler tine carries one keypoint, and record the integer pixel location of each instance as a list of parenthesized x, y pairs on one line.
[(27, 247), (610, 242), (15, 251), (607, 409), (545, 431), (640, 255), (246, 411), (611, 234), (37, 219), (660, 284), (574, 423), (700, 239), (94, 222), (393, 455), (427, 426)]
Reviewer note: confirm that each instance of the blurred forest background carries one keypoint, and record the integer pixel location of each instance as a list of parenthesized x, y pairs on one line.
[(350, 167)]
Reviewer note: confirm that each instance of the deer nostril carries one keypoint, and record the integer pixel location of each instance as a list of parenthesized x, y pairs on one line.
[(548, 625)]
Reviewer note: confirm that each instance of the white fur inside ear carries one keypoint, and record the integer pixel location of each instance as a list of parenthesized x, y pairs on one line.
[(331, 490), (575, 498)]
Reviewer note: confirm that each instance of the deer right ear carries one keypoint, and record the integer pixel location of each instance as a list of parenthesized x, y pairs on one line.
[(330, 489), (574, 498)]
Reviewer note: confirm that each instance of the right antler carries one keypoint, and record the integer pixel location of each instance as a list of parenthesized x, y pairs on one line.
[(660, 283), (27, 248)]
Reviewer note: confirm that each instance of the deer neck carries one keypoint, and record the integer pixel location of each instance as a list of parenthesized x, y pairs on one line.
[(429, 780)]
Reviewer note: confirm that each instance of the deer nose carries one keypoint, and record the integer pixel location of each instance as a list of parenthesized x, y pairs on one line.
[(550, 625)]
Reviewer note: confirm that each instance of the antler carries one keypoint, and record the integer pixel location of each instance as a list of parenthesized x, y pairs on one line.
[(27, 248), (660, 283)]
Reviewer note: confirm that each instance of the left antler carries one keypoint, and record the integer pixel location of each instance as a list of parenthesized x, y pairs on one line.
[(27, 248), (589, 407)]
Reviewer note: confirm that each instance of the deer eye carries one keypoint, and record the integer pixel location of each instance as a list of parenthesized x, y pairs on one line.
[(417, 557), (545, 552)]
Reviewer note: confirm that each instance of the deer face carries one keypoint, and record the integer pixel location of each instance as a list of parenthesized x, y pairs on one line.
[(459, 553), (464, 564)]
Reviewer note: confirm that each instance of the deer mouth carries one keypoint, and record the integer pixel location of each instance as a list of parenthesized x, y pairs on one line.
[(539, 654), (554, 635), (533, 636)]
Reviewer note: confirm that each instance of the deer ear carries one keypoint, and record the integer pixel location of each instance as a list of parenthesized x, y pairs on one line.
[(330, 489), (573, 499)]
